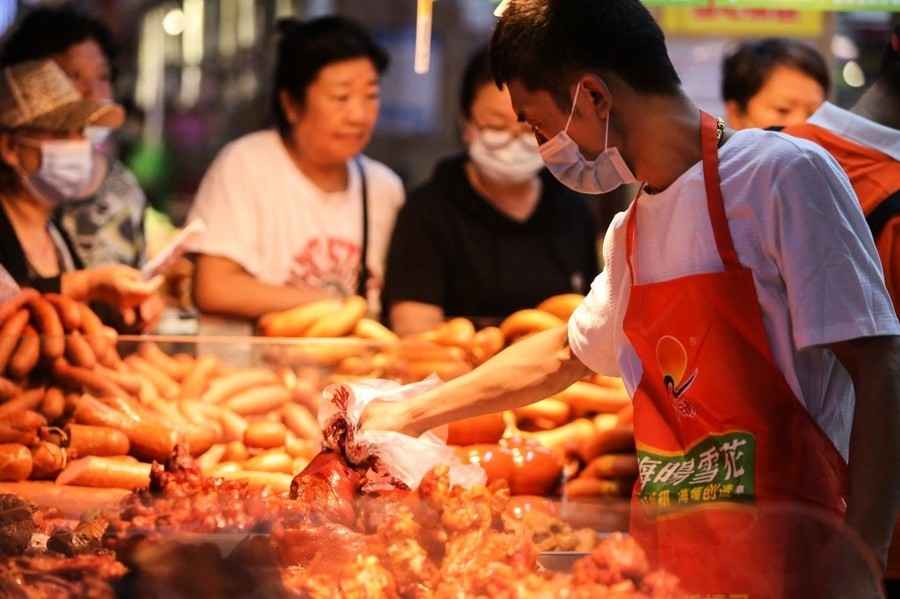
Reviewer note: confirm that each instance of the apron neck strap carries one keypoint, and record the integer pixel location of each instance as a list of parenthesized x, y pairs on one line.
[(715, 203)]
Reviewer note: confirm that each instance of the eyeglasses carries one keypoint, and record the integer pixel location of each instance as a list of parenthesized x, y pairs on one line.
[(496, 139)]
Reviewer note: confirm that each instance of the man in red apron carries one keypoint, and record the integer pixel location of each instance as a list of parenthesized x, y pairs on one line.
[(866, 143), (742, 302)]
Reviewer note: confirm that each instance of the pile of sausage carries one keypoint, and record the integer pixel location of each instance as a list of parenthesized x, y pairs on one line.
[(579, 442), (326, 319), (77, 412)]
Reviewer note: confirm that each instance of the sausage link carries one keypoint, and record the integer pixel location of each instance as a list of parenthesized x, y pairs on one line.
[(53, 340), (10, 333), (26, 355), (67, 308), (53, 406), (79, 352)]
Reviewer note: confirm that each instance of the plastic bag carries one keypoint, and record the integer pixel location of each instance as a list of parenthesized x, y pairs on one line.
[(399, 457), (8, 286)]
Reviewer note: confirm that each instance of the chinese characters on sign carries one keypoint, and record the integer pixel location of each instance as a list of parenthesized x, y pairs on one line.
[(719, 468)]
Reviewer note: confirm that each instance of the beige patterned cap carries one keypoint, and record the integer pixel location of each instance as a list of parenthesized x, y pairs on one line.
[(37, 94)]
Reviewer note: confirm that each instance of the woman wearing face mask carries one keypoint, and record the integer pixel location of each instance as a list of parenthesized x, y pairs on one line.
[(491, 232), (107, 227), (46, 162), (296, 213)]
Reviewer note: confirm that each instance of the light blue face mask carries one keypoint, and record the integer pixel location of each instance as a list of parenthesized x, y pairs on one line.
[(70, 171), (564, 159)]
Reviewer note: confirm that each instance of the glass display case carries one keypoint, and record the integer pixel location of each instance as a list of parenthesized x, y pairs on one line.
[(191, 466)]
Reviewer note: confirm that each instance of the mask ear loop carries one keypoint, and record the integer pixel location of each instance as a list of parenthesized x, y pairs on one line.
[(574, 104), (606, 135)]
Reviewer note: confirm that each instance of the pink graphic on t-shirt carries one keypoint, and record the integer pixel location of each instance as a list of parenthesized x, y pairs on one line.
[(324, 263)]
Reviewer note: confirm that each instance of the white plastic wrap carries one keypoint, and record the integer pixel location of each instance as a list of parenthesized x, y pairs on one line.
[(400, 457), (8, 285)]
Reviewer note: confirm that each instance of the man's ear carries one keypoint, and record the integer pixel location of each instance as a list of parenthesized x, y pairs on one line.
[(596, 89)]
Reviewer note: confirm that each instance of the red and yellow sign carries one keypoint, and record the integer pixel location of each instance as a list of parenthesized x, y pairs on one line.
[(742, 22)]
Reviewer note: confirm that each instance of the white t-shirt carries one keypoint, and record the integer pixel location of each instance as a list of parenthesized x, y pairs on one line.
[(863, 131), (262, 212), (797, 225)]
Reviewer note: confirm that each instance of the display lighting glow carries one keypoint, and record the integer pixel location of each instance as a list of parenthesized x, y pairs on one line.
[(192, 52), (423, 36), (246, 33), (192, 42), (150, 88), (8, 10), (285, 8), (228, 18), (853, 74), (844, 48), (173, 22)]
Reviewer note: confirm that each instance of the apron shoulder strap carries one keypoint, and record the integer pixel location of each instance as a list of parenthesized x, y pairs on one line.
[(361, 284), (709, 144), (885, 211), (714, 200)]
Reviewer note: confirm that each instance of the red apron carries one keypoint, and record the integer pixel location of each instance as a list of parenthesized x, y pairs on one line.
[(718, 429)]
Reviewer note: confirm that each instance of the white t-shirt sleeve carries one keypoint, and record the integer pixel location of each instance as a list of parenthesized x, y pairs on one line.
[(592, 326), (225, 203), (815, 231)]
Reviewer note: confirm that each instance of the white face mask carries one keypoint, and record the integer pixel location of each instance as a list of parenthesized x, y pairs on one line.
[(564, 159), (504, 158), (71, 170)]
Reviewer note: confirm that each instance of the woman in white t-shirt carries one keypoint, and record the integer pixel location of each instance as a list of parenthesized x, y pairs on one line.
[(291, 211)]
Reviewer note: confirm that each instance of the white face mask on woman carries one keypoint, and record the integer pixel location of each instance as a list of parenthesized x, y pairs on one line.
[(505, 158), (70, 170), (564, 159)]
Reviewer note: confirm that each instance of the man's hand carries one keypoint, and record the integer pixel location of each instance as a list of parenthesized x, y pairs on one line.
[(387, 416), (524, 373)]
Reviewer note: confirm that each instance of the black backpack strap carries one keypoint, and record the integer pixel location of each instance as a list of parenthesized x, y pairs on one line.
[(361, 286), (885, 211)]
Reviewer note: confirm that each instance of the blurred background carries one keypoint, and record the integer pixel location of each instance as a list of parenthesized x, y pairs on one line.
[(194, 73)]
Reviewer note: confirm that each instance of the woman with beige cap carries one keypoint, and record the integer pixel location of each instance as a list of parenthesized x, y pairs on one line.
[(46, 161)]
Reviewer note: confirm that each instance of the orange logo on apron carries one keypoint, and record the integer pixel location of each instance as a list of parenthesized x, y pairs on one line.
[(719, 432), (672, 360)]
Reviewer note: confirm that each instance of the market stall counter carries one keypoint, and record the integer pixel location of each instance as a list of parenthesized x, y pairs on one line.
[(183, 466)]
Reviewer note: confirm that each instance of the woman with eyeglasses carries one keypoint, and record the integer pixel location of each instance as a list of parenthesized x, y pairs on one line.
[(491, 232)]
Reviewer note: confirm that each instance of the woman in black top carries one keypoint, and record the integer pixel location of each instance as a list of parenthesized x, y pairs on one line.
[(491, 232), (46, 160)]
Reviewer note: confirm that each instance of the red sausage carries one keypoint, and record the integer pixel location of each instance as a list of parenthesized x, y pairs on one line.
[(53, 341), (68, 310), (26, 355), (10, 333)]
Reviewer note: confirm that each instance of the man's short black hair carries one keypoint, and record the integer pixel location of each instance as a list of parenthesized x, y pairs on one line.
[(889, 76), (48, 31), (746, 70), (306, 47), (546, 44), (477, 75)]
